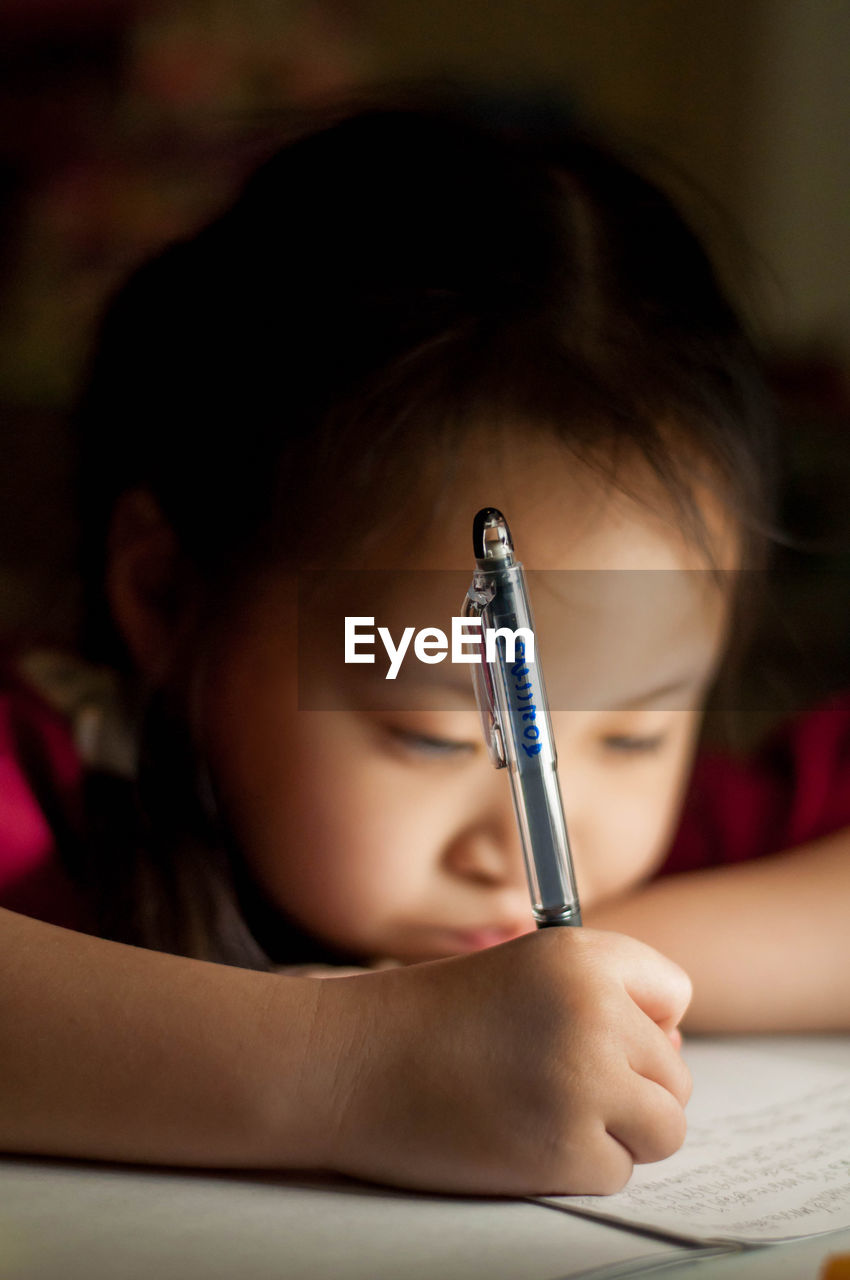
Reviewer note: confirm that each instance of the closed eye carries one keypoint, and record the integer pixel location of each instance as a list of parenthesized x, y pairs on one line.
[(634, 744), (427, 745)]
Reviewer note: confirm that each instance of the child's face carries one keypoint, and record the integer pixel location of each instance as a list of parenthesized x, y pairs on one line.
[(389, 833)]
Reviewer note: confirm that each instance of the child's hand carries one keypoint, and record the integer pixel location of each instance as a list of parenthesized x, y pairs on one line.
[(544, 1065)]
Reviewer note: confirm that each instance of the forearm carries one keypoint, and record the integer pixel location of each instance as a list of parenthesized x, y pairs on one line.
[(766, 943), (113, 1052)]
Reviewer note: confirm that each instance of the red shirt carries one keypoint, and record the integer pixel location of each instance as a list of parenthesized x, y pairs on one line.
[(32, 879), (796, 789)]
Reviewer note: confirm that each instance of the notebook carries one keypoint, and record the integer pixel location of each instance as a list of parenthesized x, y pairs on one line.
[(766, 1158)]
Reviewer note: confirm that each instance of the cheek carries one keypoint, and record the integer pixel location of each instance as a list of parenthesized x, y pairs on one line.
[(618, 845), (336, 848), (322, 819), (621, 820)]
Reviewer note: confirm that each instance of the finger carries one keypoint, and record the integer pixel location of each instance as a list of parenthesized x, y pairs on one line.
[(658, 985), (603, 1167), (656, 1059), (648, 1121)]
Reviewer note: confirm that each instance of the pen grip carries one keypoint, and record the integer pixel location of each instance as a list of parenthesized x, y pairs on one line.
[(539, 813)]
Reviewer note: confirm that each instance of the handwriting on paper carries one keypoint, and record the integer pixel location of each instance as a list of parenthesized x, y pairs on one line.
[(749, 1172)]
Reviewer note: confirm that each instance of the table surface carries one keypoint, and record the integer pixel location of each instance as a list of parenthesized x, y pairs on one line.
[(73, 1220)]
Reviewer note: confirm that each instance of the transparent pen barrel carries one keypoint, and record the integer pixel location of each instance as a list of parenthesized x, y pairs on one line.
[(532, 760)]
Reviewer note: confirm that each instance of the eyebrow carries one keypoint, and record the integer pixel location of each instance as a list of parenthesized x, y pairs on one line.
[(425, 694), (461, 688), (679, 685)]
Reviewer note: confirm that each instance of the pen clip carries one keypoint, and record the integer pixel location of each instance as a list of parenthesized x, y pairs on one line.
[(474, 606)]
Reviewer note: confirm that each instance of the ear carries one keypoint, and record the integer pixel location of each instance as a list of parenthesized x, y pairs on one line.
[(152, 594)]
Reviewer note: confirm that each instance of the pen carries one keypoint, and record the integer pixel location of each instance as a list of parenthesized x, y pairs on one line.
[(515, 716)]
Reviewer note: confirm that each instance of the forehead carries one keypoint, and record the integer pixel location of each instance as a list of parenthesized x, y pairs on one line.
[(564, 512), (624, 602)]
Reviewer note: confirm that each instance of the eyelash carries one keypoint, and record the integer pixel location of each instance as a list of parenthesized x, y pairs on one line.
[(425, 744), (431, 746), (632, 745)]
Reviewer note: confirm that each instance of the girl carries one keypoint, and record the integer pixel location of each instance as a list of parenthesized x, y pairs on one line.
[(403, 318)]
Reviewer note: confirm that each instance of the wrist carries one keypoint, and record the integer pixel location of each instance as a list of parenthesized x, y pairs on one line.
[(308, 1034)]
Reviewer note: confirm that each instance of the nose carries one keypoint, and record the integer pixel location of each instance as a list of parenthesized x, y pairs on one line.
[(486, 850)]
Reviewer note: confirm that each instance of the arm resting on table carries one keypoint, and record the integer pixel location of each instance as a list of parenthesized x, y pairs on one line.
[(766, 943), (114, 1052)]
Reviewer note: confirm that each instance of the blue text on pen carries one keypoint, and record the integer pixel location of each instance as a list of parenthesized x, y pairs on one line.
[(522, 689)]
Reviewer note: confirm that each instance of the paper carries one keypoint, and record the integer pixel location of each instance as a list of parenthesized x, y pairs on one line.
[(767, 1156)]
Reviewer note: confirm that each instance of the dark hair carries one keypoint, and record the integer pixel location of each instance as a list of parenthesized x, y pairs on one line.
[(388, 281)]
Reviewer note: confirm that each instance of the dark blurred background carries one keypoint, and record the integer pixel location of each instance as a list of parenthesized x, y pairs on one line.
[(126, 122)]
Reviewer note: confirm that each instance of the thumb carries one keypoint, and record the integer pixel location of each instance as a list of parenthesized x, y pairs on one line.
[(658, 986)]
